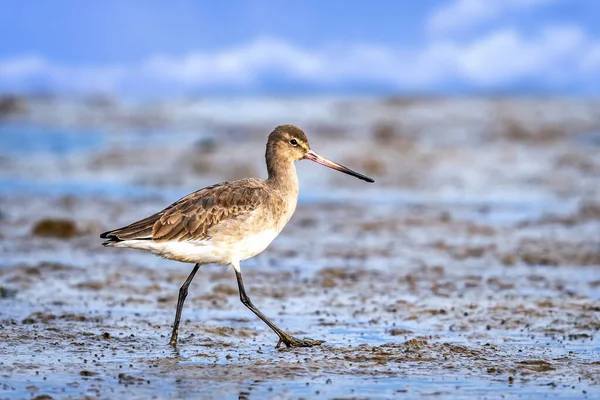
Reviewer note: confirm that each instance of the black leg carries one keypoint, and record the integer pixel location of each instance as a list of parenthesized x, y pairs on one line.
[(183, 291), (284, 338)]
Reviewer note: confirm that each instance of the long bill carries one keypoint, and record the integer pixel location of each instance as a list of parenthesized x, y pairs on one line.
[(311, 155)]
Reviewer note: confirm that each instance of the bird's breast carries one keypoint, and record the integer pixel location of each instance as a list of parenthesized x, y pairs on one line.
[(286, 207), (254, 244), (267, 227)]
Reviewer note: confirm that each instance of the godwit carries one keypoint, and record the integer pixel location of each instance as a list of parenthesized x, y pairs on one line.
[(229, 222)]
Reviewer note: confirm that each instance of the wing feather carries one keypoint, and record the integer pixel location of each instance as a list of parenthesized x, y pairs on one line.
[(192, 217)]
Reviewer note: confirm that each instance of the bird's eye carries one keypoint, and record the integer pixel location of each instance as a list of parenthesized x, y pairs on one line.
[(294, 142)]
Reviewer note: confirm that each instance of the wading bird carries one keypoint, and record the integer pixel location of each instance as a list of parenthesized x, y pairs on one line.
[(229, 222)]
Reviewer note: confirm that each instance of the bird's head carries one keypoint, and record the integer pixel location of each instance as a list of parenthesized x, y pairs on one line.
[(290, 142)]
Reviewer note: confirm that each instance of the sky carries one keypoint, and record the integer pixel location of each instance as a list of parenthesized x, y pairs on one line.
[(309, 47)]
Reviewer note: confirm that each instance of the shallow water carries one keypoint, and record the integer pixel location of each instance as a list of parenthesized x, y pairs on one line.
[(31, 140)]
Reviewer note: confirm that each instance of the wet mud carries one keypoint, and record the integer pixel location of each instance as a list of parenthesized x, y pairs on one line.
[(469, 270)]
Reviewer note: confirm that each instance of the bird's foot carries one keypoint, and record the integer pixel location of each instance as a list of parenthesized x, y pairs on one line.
[(173, 340), (291, 341)]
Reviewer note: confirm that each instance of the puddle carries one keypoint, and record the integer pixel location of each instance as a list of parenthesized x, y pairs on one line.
[(26, 140)]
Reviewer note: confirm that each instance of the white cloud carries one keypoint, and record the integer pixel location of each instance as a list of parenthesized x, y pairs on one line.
[(561, 55), (498, 58), (462, 15), (29, 70), (506, 56), (26, 65), (239, 65)]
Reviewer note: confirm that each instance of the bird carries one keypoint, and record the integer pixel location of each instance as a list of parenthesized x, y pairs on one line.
[(230, 222)]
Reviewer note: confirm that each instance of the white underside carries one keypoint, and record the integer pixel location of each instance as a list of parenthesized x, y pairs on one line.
[(205, 252)]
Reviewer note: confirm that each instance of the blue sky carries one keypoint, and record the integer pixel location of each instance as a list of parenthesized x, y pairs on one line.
[(327, 46)]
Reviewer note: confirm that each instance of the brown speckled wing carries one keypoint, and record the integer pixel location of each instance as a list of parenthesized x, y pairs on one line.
[(191, 217)]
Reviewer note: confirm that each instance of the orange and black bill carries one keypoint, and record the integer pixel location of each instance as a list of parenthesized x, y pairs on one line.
[(311, 155)]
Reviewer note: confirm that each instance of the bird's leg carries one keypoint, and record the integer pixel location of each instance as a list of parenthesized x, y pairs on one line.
[(284, 338), (183, 291)]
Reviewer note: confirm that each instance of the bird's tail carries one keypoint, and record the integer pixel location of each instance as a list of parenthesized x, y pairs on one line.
[(140, 230)]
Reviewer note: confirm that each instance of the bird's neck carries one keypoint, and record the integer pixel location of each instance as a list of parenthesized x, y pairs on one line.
[(282, 176)]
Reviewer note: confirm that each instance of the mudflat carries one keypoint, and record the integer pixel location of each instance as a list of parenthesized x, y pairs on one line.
[(470, 269)]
